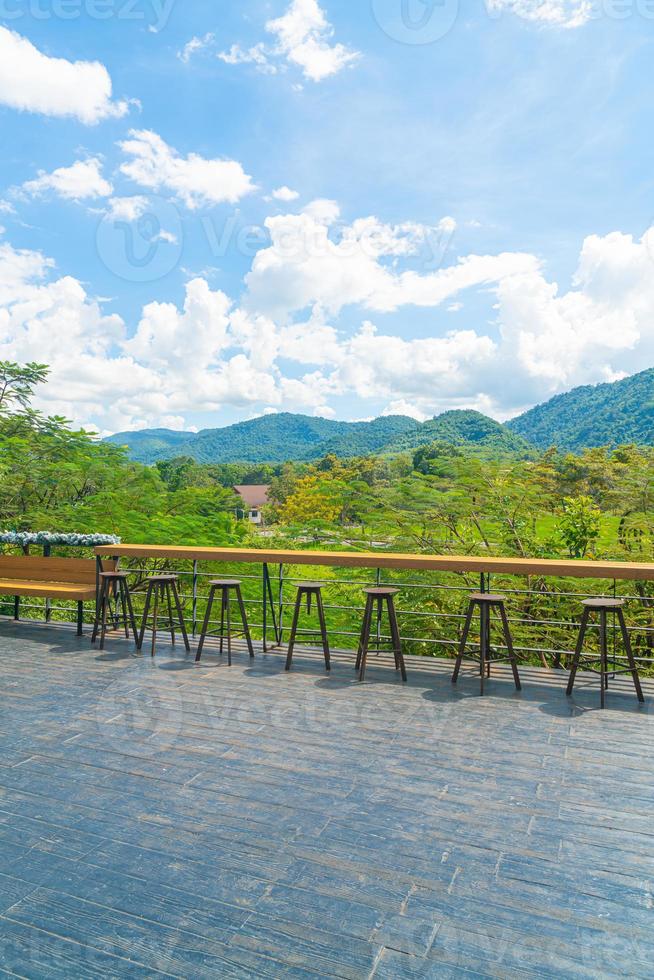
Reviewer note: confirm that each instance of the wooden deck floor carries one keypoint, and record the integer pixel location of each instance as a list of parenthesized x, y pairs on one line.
[(162, 819)]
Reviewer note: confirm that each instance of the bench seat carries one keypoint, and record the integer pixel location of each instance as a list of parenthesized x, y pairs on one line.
[(48, 590)]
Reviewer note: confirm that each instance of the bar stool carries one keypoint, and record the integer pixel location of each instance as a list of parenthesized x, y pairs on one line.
[(376, 597), (309, 590), (604, 606), (225, 587), (114, 583), (163, 589), (485, 602)]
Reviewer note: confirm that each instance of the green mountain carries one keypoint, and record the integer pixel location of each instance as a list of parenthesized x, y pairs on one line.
[(465, 428), (147, 445), (270, 439), (301, 438), (599, 415), (595, 415)]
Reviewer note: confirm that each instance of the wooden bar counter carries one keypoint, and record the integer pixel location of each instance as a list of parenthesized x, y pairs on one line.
[(562, 568)]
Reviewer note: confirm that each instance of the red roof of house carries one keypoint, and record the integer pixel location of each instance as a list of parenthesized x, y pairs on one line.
[(253, 496)]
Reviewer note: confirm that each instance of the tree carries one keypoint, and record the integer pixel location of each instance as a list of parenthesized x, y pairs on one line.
[(579, 525), (17, 383)]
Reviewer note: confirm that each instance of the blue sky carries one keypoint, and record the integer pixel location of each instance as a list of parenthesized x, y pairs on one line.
[(214, 211)]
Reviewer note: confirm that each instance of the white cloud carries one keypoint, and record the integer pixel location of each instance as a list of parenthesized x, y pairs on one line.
[(312, 260), (285, 194), (81, 181), (402, 407), (256, 55), (208, 352), (553, 13), (304, 38), (35, 82), (193, 179), (195, 45), (195, 336), (127, 208)]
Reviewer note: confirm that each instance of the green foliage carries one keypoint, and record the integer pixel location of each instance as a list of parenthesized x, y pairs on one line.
[(595, 415), (468, 429), (579, 525), (54, 478)]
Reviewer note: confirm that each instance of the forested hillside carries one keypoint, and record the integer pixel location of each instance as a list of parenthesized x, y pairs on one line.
[(465, 428), (301, 438), (601, 415), (595, 415)]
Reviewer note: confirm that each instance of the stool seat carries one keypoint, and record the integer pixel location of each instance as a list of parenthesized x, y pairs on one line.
[(603, 603), (225, 583), (493, 599), (163, 577), (108, 576), (310, 586), (381, 590)]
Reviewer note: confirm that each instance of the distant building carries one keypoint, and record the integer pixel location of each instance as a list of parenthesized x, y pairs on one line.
[(254, 497)]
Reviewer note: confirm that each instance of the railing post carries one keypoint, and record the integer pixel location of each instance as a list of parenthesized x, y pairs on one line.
[(265, 606), (378, 582), (48, 602), (280, 616), (195, 598)]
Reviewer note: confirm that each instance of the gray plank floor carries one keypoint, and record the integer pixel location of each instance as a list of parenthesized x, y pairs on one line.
[(158, 818)]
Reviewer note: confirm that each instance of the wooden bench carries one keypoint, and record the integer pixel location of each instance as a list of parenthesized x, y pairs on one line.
[(50, 578)]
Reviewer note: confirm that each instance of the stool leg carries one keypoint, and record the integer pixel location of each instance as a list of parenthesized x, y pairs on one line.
[(123, 606), (205, 624), (223, 606), (577, 654), (180, 613), (509, 645), (171, 621), (246, 628), (395, 634), (155, 616), (630, 656), (464, 642), (365, 630), (484, 645), (228, 613), (365, 638), (80, 618), (105, 609), (604, 653), (132, 617), (323, 630), (291, 642), (98, 613), (144, 621)]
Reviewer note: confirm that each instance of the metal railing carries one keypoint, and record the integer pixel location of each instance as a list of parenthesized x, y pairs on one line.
[(431, 606)]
